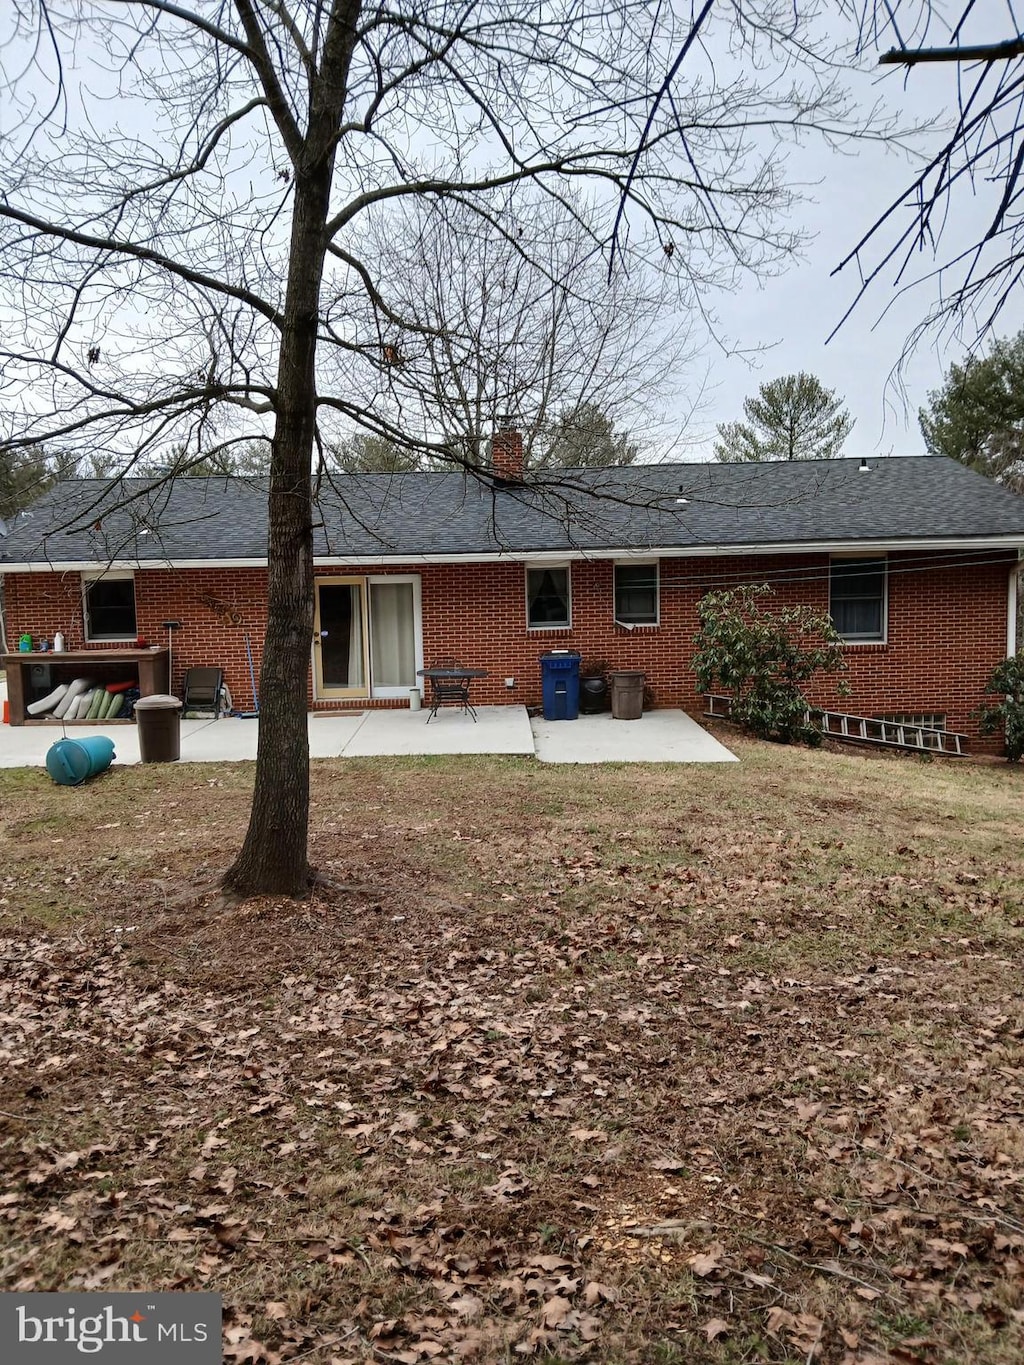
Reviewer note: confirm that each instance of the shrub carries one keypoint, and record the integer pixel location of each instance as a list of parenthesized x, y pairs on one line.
[(594, 668), (763, 658), (1006, 681)]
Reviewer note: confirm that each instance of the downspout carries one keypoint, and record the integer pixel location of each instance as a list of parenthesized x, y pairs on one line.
[(1014, 605)]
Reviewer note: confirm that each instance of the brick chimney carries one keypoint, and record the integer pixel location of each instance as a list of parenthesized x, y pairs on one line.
[(507, 452)]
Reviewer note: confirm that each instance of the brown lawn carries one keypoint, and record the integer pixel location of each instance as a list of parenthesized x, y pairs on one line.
[(631, 1064)]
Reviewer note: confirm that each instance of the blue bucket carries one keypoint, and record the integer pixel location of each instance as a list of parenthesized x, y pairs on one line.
[(72, 761)]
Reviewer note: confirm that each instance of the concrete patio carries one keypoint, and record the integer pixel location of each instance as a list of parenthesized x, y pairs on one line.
[(659, 737)]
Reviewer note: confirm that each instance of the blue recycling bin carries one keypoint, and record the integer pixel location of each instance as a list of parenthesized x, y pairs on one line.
[(70, 761), (560, 684)]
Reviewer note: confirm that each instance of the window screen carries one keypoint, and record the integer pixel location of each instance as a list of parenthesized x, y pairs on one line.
[(857, 599), (636, 593), (110, 609), (547, 597)]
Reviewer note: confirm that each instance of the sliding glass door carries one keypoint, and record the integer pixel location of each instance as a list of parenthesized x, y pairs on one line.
[(367, 636), (392, 635), (339, 638)]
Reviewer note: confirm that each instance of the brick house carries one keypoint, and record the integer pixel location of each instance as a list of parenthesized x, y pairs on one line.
[(916, 558)]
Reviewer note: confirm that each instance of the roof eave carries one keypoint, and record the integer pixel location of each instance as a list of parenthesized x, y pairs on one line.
[(847, 546)]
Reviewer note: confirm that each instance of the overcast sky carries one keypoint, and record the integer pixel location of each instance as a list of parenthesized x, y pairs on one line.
[(794, 314), (789, 318)]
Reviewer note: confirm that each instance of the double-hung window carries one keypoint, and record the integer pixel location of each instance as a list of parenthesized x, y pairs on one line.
[(857, 599), (636, 594), (108, 605), (548, 600)]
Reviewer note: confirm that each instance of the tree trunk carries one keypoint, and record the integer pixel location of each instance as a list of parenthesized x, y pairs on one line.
[(274, 858)]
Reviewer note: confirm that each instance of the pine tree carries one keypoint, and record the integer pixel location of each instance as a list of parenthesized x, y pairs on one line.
[(585, 437), (792, 418), (977, 417)]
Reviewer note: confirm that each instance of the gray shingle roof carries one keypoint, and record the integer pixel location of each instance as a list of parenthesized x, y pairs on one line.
[(406, 516)]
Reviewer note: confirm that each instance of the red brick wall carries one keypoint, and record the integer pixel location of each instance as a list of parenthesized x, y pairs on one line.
[(947, 620), (200, 599), (946, 617)]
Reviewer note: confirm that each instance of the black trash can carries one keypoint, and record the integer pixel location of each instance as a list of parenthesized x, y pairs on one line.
[(560, 684), (593, 694), (159, 721), (627, 695)]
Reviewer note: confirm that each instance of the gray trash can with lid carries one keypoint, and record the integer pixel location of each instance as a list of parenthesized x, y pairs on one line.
[(159, 721), (627, 695)]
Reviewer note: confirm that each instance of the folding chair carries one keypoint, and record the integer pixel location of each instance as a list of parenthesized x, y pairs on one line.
[(203, 690)]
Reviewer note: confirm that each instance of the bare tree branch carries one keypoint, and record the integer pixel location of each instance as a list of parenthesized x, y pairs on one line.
[(982, 52)]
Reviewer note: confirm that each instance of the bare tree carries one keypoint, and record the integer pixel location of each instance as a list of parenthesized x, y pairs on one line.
[(514, 316), (226, 460), (182, 245), (974, 176)]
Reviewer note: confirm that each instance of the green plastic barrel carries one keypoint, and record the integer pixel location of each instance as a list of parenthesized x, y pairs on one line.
[(71, 761)]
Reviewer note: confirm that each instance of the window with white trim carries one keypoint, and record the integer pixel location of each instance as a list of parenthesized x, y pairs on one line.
[(857, 599), (636, 593), (108, 606), (548, 597)]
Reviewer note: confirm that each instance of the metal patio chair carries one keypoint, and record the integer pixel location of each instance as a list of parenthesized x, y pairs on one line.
[(449, 686)]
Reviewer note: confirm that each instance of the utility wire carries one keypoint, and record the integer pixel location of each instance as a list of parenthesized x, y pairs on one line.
[(782, 577)]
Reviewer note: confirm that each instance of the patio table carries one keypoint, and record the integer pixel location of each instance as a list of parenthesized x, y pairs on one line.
[(450, 683)]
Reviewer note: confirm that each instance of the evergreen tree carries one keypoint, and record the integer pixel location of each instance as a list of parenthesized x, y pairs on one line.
[(24, 476), (977, 417), (364, 453), (585, 437), (792, 418)]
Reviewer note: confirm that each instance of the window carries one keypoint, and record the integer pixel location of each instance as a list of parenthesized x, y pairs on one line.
[(109, 604), (930, 720), (857, 598), (547, 597), (636, 594)]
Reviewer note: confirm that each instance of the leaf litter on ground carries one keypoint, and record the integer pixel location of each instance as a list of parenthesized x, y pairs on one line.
[(647, 1074)]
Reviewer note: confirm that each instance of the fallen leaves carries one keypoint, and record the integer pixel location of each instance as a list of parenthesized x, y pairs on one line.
[(226, 1183), (670, 1164), (705, 1263), (555, 1311), (550, 1100), (804, 1330)]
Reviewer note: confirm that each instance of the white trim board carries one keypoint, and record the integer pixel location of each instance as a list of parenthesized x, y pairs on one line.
[(539, 557)]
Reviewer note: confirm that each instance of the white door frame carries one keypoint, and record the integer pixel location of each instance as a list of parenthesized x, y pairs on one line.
[(417, 628), (320, 693)]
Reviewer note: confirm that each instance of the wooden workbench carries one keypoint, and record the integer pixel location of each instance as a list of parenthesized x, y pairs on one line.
[(149, 666)]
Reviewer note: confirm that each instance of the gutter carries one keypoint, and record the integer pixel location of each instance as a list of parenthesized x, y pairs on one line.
[(1013, 604), (548, 556)]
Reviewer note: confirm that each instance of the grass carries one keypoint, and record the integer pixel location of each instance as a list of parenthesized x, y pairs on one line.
[(627, 1064)]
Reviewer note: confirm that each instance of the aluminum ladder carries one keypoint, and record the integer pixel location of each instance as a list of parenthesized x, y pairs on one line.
[(887, 734)]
